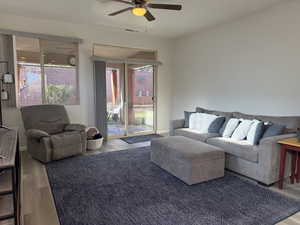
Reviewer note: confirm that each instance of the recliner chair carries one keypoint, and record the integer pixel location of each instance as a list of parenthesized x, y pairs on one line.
[(50, 135)]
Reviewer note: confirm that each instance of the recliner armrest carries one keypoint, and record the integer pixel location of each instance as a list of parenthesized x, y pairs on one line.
[(75, 127), (36, 134)]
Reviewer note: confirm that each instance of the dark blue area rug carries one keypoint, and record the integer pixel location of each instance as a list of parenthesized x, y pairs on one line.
[(125, 188), (138, 139)]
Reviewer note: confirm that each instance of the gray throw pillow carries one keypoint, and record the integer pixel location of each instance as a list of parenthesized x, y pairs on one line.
[(187, 116), (274, 130), (242, 130), (216, 125), (229, 127), (221, 131), (255, 133)]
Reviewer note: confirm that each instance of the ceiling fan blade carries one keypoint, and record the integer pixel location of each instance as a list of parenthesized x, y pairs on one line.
[(103, 1), (120, 11), (149, 16), (164, 6), (126, 2)]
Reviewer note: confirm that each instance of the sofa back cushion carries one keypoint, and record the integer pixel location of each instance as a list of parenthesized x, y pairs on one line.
[(200, 110), (214, 112), (206, 123), (291, 123), (274, 130), (239, 115)]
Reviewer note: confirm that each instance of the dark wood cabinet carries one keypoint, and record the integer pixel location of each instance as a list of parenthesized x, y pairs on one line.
[(10, 177)]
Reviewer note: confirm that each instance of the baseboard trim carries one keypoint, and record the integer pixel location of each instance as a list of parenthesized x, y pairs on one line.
[(162, 132)]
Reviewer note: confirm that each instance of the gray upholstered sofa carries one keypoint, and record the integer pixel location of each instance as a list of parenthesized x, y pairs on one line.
[(50, 136), (260, 162)]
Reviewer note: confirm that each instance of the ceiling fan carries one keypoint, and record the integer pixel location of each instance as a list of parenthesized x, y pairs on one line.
[(141, 8)]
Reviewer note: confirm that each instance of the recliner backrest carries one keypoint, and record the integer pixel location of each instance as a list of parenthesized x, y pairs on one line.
[(49, 118)]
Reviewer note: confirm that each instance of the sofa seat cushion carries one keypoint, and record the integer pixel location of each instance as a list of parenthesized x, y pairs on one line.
[(194, 134), (241, 149), (66, 144)]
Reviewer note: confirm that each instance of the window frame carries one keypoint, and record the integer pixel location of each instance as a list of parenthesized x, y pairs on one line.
[(43, 78)]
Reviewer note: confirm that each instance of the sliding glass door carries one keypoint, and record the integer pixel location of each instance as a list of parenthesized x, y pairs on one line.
[(115, 94), (140, 98), (130, 92)]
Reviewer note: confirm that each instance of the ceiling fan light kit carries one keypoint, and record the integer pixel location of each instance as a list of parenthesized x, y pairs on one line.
[(141, 8), (139, 11)]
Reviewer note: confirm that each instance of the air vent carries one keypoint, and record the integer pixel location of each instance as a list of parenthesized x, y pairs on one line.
[(131, 30)]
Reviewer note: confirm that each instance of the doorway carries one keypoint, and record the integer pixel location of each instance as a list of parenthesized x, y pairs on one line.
[(130, 101), (125, 81), (141, 107), (115, 99)]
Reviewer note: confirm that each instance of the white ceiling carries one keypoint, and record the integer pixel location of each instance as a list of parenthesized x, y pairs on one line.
[(196, 14)]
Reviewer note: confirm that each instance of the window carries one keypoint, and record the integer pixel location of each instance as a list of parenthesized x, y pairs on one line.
[(46, 71), (30, 83)]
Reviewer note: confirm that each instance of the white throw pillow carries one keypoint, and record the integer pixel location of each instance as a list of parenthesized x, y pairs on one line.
[(202, 121), (205, 122), (242, 130), (230, 127), (194, 122), (255, 132)]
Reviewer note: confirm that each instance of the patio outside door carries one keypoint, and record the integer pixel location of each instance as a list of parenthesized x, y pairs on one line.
[(115, 103), (130, 99), (140, 99)]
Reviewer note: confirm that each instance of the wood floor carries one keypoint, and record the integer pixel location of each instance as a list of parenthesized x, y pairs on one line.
[(38, 206)]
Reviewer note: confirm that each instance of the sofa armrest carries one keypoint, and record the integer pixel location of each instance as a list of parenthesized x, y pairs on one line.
[(36, 134), (176, 124), (275, 139), (75, 127), (269, 156)]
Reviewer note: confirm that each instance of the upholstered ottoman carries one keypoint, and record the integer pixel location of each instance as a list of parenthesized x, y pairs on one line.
[(189, 160)]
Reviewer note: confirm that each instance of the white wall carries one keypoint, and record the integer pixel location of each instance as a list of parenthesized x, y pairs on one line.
[(251, 65), (84, 112)]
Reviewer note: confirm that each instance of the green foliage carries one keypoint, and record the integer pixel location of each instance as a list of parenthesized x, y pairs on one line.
[(58, 94)]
